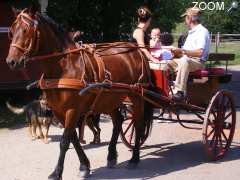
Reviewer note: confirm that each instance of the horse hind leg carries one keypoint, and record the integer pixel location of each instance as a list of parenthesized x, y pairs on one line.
[(98, 129), (143, 113), (117, 120), (143, 120), (92, 125)]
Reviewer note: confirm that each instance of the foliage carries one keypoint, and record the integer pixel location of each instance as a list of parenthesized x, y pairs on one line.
[(220, 20), (109, 20)]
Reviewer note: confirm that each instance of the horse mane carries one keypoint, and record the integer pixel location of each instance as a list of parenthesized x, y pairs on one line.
[(57, 29)]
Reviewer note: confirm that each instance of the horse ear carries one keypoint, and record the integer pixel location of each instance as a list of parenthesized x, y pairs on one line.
[(15, 11)]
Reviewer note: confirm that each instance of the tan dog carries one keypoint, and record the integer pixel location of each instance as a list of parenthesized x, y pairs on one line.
[(37, 115)]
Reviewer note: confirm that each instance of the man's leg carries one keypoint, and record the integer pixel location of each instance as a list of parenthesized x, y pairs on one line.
[(184, 66)]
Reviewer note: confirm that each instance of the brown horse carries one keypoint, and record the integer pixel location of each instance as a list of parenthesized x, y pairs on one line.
[(67, 70)]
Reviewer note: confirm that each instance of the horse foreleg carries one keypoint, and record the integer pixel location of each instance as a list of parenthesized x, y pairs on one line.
[(64, 145), (84, 162), (117, 120)]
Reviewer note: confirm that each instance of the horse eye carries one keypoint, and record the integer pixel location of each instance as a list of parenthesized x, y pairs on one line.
[(24, 31)]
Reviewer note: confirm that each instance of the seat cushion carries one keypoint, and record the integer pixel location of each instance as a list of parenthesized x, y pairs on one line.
[(200, 73), (216, 71)]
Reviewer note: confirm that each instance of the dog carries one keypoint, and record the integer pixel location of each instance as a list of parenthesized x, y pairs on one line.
[(38, 115)]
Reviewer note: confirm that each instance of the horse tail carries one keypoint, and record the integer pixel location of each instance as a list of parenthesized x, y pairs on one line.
[(148, 120), (15, 110)]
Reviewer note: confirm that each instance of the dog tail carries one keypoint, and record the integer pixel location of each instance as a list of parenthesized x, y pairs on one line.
[(15, 110)]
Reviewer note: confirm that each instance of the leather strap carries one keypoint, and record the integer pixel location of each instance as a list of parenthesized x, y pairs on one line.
[(61, 83)]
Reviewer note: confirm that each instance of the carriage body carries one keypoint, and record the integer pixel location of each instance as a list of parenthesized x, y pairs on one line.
[(202, 84), (214, 108)]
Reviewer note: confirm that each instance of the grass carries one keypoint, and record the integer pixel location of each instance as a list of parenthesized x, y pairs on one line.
[(229, 47)]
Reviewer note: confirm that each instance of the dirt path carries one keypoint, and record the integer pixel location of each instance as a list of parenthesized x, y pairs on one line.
[(170, 153)]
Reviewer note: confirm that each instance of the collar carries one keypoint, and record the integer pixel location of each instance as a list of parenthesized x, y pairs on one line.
[(194, 28)]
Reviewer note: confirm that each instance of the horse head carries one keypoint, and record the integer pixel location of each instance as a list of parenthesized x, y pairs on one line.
[(32, 34), (25, 38)]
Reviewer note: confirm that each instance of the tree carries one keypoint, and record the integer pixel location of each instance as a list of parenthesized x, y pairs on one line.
[(109, 20), (221, 20)]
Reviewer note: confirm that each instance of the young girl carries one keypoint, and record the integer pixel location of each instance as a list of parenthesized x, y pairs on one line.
[(161, 47), (155, 43)]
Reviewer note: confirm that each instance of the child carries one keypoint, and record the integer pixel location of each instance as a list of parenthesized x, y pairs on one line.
[(155, 43), (161, 47)]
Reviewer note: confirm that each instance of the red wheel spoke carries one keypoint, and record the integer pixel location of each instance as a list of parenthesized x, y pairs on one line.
[(213, 139), (215, 116), (211, 123), (220, 140), (221, 117), (210, 133), (225, 137), (130, 124), (228, 116), (131, 135), (216, 142)]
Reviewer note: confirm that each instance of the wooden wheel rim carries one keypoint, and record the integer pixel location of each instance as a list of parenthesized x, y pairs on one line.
[(219, 125)]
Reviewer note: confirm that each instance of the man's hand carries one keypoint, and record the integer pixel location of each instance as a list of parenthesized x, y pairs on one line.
[(177, 52)]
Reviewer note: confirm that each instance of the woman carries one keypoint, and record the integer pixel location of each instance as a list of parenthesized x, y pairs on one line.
[(139, 34)]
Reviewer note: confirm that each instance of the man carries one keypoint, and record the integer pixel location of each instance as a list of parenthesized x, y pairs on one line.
[(193, 54)]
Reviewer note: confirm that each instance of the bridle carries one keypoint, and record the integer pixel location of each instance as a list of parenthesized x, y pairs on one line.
[(32, 25)]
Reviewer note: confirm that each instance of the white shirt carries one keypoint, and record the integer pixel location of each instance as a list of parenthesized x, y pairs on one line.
[(198, 38)]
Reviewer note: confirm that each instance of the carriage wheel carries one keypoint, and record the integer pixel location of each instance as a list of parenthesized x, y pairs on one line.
[(219, 125), (128, 131)]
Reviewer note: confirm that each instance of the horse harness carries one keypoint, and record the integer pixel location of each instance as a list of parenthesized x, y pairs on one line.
[(103, 75)]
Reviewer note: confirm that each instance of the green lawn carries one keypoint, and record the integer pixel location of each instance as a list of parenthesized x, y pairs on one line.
[(229, 47)]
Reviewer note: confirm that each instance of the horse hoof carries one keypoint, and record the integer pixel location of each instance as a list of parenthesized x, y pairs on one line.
[(54, 177), (82, 141), (92, 142), (112, 163), (84, 171), (132, 165)]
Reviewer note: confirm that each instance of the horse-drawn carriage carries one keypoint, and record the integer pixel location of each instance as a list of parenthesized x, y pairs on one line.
[(105, 74), (213, 107)]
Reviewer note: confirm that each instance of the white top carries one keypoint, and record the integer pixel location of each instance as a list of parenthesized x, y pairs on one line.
[(198, 38)]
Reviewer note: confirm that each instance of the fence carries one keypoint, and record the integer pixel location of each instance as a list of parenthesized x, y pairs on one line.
[(225, 43)]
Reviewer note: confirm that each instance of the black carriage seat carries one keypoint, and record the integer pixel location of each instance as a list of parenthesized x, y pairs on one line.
[(221, 73)]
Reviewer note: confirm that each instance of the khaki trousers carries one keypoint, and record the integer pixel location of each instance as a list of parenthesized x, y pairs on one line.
[(184, 66)]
